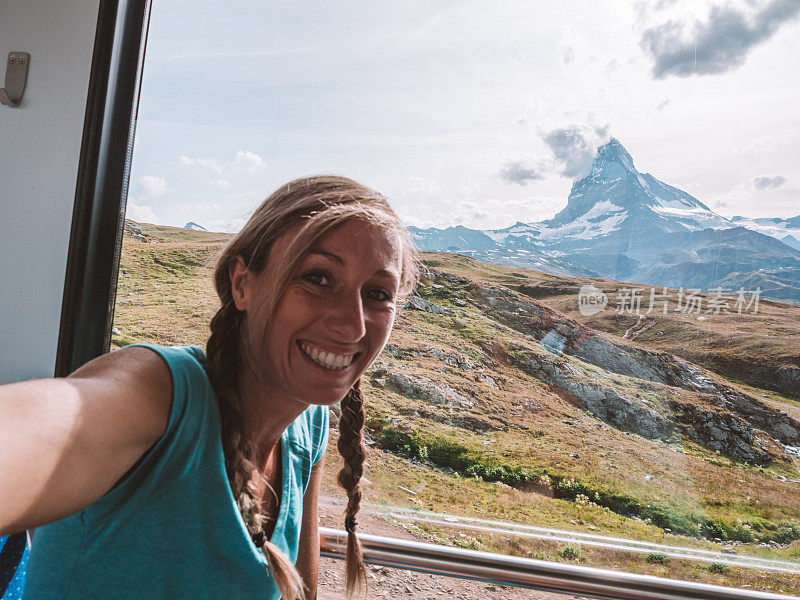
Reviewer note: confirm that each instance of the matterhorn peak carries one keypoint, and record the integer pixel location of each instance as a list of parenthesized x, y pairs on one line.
[(612, 162)]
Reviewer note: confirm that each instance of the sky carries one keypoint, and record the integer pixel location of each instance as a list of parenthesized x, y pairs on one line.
[(468, 113)]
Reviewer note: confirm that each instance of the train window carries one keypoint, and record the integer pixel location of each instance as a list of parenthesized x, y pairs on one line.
[(600, 364)]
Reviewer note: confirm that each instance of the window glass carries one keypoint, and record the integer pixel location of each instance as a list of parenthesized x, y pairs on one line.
[(600, 365)]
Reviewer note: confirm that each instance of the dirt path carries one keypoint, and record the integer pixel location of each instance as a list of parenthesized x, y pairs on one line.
[(400, 584)]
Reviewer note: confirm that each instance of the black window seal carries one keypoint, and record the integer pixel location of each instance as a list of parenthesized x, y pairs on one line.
[(90, 282)]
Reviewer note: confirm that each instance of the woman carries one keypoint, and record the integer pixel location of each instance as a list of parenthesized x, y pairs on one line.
[(161, 472)]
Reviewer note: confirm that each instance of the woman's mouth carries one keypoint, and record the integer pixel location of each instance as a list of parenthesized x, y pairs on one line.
[(327, 360)]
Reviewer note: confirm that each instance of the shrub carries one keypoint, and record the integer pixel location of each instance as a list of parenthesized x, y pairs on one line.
[(570, 552), (656, 558), (719, 568)]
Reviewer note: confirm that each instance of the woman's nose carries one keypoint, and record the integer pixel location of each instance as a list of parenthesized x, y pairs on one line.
[(346, 318)]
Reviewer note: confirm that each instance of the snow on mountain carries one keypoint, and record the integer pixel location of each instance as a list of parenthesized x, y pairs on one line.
[(614, 179), (786, 230), (194, 226), (629, 226)]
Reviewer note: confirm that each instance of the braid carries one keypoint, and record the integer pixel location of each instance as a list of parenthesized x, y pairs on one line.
[(222, 352), (309, 209), (352, 449)]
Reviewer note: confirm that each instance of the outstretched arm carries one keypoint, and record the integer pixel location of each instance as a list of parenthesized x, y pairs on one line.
[(66, 442), (308, 552)]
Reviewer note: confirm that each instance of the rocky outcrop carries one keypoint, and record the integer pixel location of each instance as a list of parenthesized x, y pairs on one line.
[(454, 359), (424, 390), (789, 379), (133, 230), (415, 302), (601, 401), (724, 432), (561, 335)]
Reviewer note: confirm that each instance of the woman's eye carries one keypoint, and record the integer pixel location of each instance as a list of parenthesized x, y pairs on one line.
[(380, 295), (317, 278)]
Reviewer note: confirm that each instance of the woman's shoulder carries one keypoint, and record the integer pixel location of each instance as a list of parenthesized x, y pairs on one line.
[(189, 432), (131, 377)]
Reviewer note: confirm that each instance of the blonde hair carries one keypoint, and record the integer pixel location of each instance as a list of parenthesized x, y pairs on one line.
[(310, 208)]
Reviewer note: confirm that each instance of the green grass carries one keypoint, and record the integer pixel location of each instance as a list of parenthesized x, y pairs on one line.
[(450, 452), (505, 457)]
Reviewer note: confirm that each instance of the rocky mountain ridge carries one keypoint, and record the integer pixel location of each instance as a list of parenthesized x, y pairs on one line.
[(626, 225)]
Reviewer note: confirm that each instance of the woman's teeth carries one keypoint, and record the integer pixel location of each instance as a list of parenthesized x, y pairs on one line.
[(328, 360)]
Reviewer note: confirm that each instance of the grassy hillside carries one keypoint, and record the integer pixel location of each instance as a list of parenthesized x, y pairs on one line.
[(496, 399), (750, 348)]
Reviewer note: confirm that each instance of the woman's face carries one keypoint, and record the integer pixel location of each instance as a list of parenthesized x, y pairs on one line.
[(333, 319)]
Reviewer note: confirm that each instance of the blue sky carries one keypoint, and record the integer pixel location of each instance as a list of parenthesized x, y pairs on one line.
[(471, 113)]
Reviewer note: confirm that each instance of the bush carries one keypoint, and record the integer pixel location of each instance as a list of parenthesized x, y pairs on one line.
[(570, 552), (719, 568), (656, 558)]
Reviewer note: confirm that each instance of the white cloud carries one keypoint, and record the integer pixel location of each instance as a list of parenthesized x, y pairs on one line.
[(152, 185), (243, 160), (249, 161), (200, 208), (742, 194), (139, 212), (221, 183), (208, 163), (232, 225), (575, 147)]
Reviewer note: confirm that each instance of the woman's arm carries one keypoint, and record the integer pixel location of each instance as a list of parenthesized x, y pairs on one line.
[(308, 552), (66, 442)]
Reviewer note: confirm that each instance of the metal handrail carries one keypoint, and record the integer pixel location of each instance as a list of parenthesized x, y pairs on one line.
[(529, 573)]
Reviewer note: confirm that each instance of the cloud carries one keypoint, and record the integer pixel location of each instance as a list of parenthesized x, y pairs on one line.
[(208, 163), (741, 195), (243, 160), (422, 187), (139, 212), (722, 202), (574, 148), (231, 225), (719, 44), (786, 135), (152, 185), (769, 182), (199, 208), (249, 161), (221, 183), (519, 172), (567, 54)]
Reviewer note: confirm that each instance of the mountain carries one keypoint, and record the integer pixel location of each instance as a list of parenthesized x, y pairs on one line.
[(194, 226), (786, 230), (615, 196), (630, 226)]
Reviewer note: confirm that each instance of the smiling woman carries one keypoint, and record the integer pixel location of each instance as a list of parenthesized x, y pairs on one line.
[(162, 445), (310, 280)]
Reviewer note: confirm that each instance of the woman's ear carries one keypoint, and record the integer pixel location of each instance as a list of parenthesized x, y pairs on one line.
[(240, 283)]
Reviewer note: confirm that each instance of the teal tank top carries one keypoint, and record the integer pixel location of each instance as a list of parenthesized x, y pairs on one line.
[(171, 529)]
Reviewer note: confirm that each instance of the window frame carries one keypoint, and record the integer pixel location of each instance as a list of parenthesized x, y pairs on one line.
[(101, 190)]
